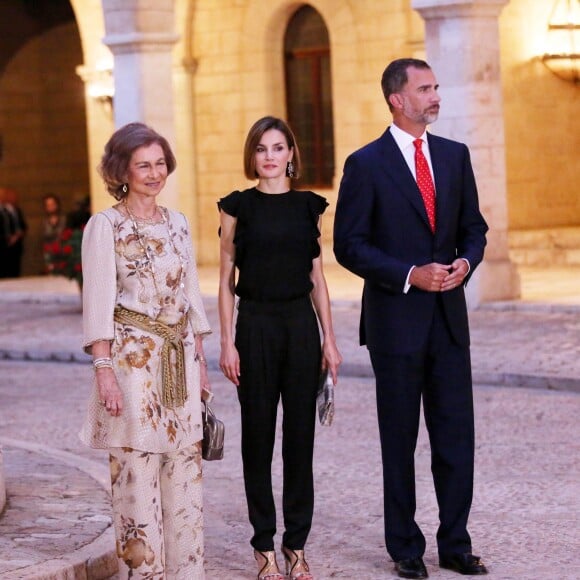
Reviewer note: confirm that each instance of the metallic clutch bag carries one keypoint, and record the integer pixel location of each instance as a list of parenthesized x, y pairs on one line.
[(212, 446), (325, 399)]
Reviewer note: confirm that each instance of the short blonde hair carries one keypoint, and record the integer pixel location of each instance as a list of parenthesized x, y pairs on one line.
[(253, 140)]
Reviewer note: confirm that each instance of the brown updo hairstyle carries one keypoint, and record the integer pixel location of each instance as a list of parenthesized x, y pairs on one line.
[(253, 140), (119, 149)]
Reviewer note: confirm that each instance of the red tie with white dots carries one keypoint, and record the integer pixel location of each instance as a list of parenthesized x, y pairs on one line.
[(425, 182)]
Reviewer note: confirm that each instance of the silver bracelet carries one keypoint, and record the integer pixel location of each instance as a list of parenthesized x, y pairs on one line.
[(103, 363), (200, 359)]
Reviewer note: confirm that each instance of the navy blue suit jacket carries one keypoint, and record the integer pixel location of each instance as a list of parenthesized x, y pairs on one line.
[(381, 230)]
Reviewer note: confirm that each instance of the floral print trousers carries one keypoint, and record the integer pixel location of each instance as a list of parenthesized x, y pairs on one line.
[(158, 513)]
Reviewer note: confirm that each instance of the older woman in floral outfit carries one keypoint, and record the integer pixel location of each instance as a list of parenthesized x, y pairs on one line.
[(144, 323)]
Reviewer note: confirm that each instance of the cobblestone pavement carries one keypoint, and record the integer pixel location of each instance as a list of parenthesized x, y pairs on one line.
[(525, 519)]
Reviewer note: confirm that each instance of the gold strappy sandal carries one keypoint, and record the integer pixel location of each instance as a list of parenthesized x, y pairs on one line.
[(296, 566), (268, 566)]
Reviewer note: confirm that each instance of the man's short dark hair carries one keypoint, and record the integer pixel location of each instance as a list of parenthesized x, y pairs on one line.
[(395, 75)]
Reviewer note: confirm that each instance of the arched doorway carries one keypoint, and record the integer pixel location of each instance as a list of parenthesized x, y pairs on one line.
[(309, 94), (43, 141)]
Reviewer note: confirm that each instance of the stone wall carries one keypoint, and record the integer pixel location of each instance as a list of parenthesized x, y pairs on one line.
[(232, 55), (542, 125), (238, 47)]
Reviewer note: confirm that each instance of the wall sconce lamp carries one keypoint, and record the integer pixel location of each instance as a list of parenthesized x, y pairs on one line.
[(99, 85), (564, 40), (103, 95)]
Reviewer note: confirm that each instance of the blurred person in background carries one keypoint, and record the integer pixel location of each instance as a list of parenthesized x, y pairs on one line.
[(13, 229), (53, 223), (80, 215)]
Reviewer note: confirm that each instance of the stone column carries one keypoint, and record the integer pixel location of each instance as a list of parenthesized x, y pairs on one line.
[(183, 76), (462, 45), (98, 98), (141, 36)]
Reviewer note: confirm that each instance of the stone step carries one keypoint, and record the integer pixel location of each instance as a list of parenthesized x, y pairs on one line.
[(57, 521)]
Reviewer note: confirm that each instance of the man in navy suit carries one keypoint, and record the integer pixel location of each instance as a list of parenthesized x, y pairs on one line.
[(414, 316)]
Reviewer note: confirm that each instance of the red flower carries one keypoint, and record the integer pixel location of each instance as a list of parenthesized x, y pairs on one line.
[(64, 255)]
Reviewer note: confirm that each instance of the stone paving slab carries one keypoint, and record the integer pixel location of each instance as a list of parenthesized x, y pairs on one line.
[(535, 346), (525, 517)]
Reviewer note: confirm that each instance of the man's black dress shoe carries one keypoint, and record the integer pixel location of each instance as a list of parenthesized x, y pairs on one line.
[(466, 564), (411, 568)]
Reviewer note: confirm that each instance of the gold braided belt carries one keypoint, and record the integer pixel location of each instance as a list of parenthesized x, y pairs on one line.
[(174, 389)]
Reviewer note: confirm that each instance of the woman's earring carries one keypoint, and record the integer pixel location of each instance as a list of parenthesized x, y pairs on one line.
[(290, 169), (124, 189)]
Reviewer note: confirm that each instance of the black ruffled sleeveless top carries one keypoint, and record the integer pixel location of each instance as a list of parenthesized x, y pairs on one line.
[(276, 240)]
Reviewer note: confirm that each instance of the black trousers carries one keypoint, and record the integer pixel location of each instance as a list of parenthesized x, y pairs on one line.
[(280, 355), (441, 374)]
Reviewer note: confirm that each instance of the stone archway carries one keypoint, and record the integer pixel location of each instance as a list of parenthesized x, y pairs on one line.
[(267, 33), (95, 70), (42, 112)]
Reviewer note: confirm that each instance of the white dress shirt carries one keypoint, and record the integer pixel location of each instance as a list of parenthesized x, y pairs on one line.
[(404, 142)]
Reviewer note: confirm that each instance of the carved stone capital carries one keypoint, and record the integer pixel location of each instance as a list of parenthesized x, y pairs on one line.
[(430, 9)]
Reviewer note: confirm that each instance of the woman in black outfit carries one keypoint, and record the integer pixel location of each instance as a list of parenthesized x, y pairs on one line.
[(270, 234)]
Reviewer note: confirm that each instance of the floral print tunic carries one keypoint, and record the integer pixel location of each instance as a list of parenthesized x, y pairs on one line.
[(148, 268)]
